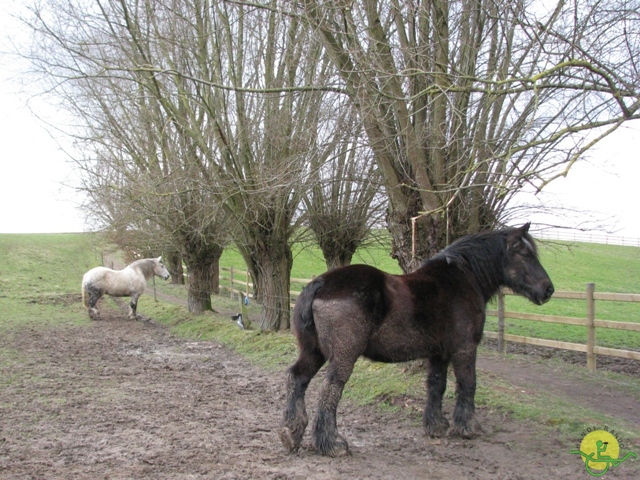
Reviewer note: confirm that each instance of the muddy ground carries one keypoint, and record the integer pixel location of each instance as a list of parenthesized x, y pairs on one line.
[(119, 399)]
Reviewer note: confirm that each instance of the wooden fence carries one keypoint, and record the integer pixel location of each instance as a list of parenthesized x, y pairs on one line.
[(589, 322), (587, 237), (241, 278)]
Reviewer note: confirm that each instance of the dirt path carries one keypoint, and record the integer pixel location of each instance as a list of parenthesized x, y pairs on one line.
[(121, 399), (581, 387)]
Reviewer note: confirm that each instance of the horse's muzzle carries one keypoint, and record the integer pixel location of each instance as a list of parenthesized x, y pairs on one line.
[(166, 277), (547, 292)]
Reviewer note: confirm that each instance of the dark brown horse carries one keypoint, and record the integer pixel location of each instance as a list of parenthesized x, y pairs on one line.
[(436, 312)]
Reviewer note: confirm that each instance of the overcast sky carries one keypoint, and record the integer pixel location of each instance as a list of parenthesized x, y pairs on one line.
[(34, 170)]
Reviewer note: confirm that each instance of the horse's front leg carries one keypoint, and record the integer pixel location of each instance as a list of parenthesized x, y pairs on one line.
[(326, 439), (435, 424), (133, 305), (465, 423)]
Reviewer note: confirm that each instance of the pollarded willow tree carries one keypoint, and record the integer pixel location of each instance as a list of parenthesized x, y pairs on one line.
[(139, 162), (140, 167), (253, 71), (236, 93), (467, 102), (269, 125), (344, 200)]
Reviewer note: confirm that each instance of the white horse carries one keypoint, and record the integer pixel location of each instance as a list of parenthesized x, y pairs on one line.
[(128, 282)]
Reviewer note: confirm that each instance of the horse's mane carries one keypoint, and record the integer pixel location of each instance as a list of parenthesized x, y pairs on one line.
[(483, 254), (145, 265)]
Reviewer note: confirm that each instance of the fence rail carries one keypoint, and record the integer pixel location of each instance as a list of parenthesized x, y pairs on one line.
[(589, 321), (587, 237), (233, 280)]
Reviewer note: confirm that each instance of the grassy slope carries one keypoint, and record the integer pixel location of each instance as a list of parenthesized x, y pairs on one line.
[(37, 274), (35, 270)]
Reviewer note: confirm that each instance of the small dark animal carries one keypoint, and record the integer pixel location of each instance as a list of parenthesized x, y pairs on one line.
[(238, 319), (436, 312)]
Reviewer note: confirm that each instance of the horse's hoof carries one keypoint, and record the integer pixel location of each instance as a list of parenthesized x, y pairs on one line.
[(288, 440), (337, 448), (471, 429), (437, 428)]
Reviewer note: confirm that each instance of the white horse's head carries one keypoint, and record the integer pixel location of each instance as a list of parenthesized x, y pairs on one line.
[(160, 270)]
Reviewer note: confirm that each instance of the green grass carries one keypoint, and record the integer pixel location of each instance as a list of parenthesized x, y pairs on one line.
[(40, 277), (40, 282)]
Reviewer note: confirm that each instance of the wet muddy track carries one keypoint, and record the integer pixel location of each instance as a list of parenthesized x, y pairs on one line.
[(123, 399)]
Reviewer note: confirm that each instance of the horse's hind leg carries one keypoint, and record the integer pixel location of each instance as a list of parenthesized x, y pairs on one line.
[(435, 424), (465, 423), (94, 295), (326, 439), (299, 375)]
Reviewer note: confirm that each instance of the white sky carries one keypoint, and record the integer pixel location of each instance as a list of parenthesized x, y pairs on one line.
[(34, 170)]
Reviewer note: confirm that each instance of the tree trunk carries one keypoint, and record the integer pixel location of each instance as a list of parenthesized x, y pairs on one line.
[(274, 271), (203, 279), (415, 237), (337, 261), (174, 265), (337, 254), (200, 287)]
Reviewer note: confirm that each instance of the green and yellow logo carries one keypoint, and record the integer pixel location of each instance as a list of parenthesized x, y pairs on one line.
[(600, 450)]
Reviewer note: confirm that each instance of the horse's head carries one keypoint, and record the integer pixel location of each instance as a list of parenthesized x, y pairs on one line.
[(160, 270), (524, 274)]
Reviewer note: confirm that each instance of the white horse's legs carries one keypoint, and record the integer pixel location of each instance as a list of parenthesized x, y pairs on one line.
[(94, 295), (133, 305)]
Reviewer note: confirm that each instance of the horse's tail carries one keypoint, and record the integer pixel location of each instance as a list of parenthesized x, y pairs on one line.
[(303, 311), (85, 300)]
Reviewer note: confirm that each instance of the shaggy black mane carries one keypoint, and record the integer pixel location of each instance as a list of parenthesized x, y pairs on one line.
[(483, 254)]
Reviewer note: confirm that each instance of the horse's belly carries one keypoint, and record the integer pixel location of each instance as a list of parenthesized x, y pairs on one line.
[(120, 292), (392, 346)]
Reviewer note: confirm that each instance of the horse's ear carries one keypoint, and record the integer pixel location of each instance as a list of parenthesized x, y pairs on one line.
[(525, 228), (160, 258)]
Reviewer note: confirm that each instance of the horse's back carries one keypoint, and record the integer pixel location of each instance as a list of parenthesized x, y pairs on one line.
[(359, 284), (94, 274)]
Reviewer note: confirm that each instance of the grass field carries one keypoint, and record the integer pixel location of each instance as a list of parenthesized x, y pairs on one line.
[(40, 282), (38, 271)]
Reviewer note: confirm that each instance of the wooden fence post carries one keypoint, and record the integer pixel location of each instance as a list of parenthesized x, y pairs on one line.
[(231, 282), (591, 328), (502, 345)]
